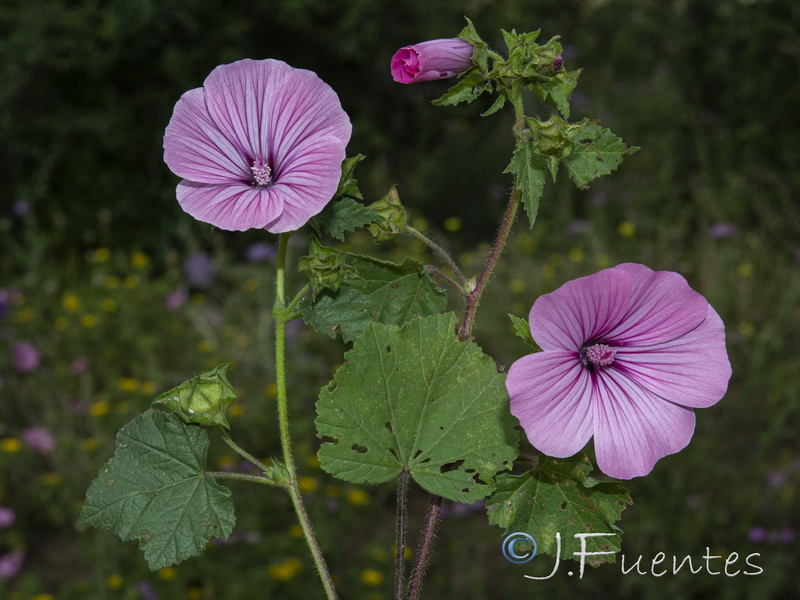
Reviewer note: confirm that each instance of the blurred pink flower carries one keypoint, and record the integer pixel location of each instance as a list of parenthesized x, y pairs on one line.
[(7, 517), (38, 439), (11, 564), (177, 299), (25, 357), (435, 59), (260, 145), (628, 353), (79, 365)]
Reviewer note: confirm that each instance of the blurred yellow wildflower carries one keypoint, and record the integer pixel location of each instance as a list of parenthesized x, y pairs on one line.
[(296, 531), (516, 285), (101, 254), (746, 269), (26, 314), (602, 260), (90, 444), (627, 229), (272, 389), (70, 302), (250, 284), (52, 478), (168, 573), (112, 282), (453, 224), (99, 409), (371, 577), (149, 388), (195, 592), (332, 491), (60, 324), (132, 281), (236, 410), (357, 497), (205, 346), (747, 329), (114, 581), (10, 445), (286, 570), (576, 255), (128, 384), (108, 305), (307, 484), (139, 260), (312, 461), (88, 321)]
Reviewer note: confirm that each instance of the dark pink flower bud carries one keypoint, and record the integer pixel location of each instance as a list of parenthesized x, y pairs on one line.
[(558, 62), (435, 59)]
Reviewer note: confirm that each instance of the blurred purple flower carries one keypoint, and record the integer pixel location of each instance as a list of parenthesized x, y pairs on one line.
[(599, 199), (11, 564), (577, 227), (199, 269), (777, 478), (7, 517), (786, 535), (720, 231), (21, 208), (462, 509), (25, 357), (5, 299), (79, 365), (38, 439), (628, 353), (260, 251), (146, 590), (757, 535), (177, 299)]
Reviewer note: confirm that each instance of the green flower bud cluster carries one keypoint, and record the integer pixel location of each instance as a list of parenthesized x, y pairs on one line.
[(392, 218), (325, 267)]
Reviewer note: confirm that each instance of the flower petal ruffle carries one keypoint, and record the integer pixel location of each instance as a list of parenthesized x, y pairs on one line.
[(633, 428), (268, 107), (231, 207), (551, 396), (196, 150), (692, 370), (580, 310), (662, 308)]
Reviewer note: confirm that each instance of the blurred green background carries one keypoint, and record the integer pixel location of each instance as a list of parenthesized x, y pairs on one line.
[(110, 294)]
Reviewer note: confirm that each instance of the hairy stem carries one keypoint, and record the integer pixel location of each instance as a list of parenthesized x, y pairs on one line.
[(400, 536), (431, 270), (281, 315), (242, 476), (428, 531), (440, 251), (241, 451)]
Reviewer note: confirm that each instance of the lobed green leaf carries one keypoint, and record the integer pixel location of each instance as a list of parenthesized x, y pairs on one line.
[(530, 170), (418, 399), (154, 490), (557, 496), (596, 152)]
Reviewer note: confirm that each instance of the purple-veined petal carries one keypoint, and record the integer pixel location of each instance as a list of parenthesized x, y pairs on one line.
[(231, 207), (551, 396), (266, 107), (196, 150), (580, 310), (662, 308), (692, 370), (306, 180), (633, 428)]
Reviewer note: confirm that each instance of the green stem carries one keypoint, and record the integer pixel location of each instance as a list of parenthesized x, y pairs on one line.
[(439, 250), (281, 314), (431, 270), (400, 535), (241, 451), (242, 476), (296, 300)]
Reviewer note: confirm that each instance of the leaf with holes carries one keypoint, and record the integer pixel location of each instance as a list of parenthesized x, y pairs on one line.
[(596, 152), (155, 490), (557, 496), (416, 398), (375, 290)]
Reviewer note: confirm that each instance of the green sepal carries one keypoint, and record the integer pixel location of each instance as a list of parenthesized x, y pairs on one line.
[(557, 495), (523, 331), (348, 184), (557, 89), (325, 267), (390, 220), (202, 399), (480, 51), (469, 87)]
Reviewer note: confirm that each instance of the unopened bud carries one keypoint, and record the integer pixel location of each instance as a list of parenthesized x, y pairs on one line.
[(202, 399), (325, 267), (558, 62), (392, 217)]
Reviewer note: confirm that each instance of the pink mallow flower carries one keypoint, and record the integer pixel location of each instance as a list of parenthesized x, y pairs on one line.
[(628, 353), (436, 59), (260, 145), (25, 357)]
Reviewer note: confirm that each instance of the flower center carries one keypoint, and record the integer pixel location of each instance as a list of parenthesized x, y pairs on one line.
[(596, 355), (262, 174)]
